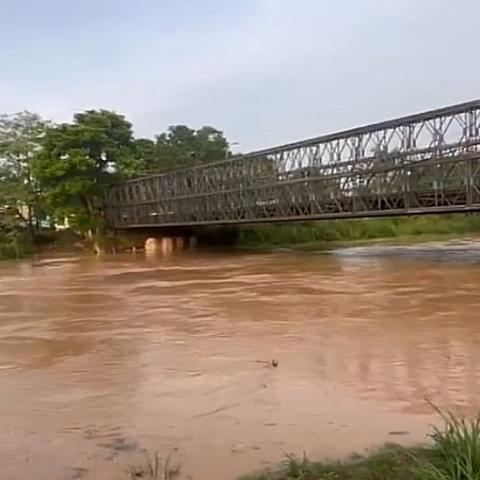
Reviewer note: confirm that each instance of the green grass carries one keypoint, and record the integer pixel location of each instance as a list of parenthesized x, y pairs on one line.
[(458, 448), (453, 455), (14, 246), (354, 230), (390, 463)]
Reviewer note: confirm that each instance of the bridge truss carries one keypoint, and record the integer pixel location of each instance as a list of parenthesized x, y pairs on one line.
[(423, 163)]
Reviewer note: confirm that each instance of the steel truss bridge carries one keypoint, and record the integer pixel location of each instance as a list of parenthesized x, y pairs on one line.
[(419, 164)]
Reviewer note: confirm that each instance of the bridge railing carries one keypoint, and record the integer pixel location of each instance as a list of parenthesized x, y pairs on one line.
[(292, 181)]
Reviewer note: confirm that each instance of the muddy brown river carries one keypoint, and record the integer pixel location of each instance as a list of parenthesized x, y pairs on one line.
[(103, 360)]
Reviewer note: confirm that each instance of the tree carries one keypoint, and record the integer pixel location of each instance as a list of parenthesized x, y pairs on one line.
[(182, 146), (143, 158), (9, 219), (79, 160), (21, 135)]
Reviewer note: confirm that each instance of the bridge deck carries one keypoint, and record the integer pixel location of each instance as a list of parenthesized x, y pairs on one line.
[(423, 163)]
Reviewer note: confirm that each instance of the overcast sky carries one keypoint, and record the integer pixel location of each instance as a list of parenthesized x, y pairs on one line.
[(264, 71)]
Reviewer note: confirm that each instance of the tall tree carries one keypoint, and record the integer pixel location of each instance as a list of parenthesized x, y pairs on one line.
[(143, 157), (21, 135), (79, 160), (182, 146)]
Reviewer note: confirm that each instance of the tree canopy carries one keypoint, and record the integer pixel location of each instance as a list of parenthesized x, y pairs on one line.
[(62, 170), (79, 160), (182, 146), (21, 135)]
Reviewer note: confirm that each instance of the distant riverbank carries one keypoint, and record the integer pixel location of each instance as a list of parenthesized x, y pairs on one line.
[(15, 245), (20, 244), (325, 234), (328, 233), (359, 230)]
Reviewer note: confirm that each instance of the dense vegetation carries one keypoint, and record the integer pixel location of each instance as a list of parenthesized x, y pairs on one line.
[(52, 172), (453, 455), (362, 229)]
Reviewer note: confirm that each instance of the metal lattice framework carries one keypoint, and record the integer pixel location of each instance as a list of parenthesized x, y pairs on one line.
[(423, 163)]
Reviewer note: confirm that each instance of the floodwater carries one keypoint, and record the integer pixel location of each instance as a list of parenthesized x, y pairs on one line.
[(104, 359)]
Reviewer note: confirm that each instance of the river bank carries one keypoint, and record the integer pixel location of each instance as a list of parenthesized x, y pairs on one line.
[(15, 245), (45, 242), (341, 232), (393, 462), (320, 235), (453, 454)]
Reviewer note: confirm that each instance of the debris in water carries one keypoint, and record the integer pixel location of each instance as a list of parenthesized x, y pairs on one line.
[(273, 363)]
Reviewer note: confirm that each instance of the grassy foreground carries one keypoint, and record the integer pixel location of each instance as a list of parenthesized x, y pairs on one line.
[(453, 455)]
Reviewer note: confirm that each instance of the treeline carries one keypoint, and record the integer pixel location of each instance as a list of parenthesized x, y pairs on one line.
[(55, 171)]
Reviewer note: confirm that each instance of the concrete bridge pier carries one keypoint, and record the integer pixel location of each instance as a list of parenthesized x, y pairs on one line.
[(168, 245), (179, 243)]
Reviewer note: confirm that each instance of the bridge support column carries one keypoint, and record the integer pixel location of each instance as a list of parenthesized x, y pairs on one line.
[(156, 246), (167, 245), (152, 246), (179, 243)]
